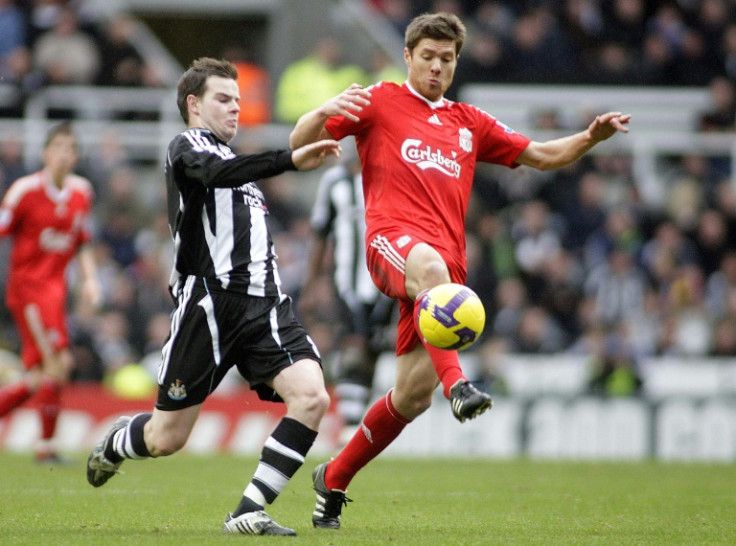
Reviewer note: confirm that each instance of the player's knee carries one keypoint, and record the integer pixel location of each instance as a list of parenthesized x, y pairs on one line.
[(311, 403), (433, 272)]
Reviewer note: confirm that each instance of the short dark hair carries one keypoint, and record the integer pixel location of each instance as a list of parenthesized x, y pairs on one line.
[(194, 80), (438, 26), (63, 128)]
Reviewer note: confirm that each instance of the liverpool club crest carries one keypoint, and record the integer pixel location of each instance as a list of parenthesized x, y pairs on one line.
[(466, 139)]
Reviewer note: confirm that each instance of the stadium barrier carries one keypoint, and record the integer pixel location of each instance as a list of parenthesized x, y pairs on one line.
[(687, 412)]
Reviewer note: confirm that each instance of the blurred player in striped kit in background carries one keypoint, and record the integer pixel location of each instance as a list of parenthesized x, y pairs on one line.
[(365, 314)]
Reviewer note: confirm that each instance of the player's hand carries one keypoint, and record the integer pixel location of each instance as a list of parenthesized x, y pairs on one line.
[(311, 156), (352, 100), (606, 125)]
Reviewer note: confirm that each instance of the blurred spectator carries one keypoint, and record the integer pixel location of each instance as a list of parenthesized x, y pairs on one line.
[(540, 50), (696, 65), (625, 22), (308, 82), (121, 63), (483, 61), (614, 363), (617, 287), (536, 241), (12, 29), (512, 300), (619, 230), (687, 314), (494, 18), (613, 63), (562, 291), (495, 259), (584, 214), (12, 166), (109, 155), (720, 285), (711, 240), (66, 54), (722, 113), (19, 79), (657, 61), (110, 340), (537, 333), (724, 339), (685, 190), (121, 215), (383, 68), (43, 16), (729, 52), (583, 23), (665, 252), (254, 85)]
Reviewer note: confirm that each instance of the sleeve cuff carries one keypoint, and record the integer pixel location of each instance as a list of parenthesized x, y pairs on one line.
[(283, 161)]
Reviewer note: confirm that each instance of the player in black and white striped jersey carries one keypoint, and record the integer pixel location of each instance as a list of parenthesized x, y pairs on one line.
[(230, 310), (365, 314)]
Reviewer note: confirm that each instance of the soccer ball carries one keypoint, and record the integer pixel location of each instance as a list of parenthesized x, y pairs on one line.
[(451, 316)]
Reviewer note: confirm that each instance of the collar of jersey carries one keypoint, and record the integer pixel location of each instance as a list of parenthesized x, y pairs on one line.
[(437, 104)]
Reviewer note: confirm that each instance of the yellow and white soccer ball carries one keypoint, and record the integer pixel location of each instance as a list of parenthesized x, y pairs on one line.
[(451, 316)]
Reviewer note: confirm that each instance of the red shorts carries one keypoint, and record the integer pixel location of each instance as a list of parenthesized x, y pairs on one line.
[(39, 322), (386, 256)]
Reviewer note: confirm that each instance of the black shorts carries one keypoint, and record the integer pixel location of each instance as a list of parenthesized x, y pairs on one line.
[(214, 330)]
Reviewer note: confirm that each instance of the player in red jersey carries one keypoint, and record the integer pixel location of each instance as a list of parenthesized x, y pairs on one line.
[(46, 214), (418, 152)]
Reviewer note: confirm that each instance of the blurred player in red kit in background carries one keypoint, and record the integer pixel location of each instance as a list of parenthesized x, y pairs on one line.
[(46, 213), (418, 151)]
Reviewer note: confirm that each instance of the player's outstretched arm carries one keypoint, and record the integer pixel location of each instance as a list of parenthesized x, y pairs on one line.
[(559, 152), (311, 156), (311, 126)]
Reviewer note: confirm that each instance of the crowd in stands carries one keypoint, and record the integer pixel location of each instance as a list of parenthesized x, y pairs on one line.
[(570, 261), (53, 42), (607, 42)]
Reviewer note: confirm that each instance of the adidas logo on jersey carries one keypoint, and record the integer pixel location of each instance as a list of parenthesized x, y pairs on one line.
[(434, 120)]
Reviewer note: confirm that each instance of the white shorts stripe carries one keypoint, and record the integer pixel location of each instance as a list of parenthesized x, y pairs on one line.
[(385, 249), (184, 297)]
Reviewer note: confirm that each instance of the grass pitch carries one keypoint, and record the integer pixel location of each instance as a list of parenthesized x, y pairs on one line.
[(183, 500)]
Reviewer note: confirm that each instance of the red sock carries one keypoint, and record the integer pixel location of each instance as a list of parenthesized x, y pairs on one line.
[(13, 395), (49, 398), (446, 363), (381, 425)]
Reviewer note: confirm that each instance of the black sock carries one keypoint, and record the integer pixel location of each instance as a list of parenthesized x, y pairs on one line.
[(134, 436), (282, 455)]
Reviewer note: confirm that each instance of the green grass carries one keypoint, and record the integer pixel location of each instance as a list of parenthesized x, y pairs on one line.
[(183, 500)]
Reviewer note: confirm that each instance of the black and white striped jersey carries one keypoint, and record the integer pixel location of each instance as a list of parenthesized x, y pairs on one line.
[(339, 212), (218, 216)]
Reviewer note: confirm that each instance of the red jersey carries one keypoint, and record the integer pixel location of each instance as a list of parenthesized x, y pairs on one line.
[(47, 225), (419, 161)]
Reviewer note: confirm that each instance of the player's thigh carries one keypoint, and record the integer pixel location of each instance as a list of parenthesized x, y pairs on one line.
[(42, 329), (425, 268)]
